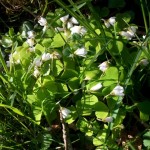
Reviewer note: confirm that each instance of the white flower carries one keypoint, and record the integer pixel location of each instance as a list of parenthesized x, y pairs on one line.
[(144, 36), (144, 62), (118, 91), (69, 25), (81, 52), (31, 34), (42, 21), (73, 20), (108, 119), (31, 49), (127, 35), (103, 66), (109, 22), (78, 29), (36, 72), (68, 22), (96, 87), (130, 33), (112, 20), (65, 112), (46, 56), (30, 42), (38, 62), (64, 18)]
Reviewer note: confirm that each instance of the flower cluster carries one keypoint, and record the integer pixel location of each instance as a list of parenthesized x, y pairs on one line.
[(129, 33), (71, 24)]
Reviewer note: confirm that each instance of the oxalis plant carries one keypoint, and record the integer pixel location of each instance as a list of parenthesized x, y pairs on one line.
[(69, 77)]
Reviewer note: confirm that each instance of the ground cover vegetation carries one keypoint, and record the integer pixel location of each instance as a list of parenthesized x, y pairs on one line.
[(74, 74)]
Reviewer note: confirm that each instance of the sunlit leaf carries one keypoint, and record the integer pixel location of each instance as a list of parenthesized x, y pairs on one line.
[(58, 41), (101, 110), (86, 105)]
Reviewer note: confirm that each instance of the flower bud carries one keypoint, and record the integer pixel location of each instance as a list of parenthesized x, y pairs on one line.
[(42, 21), (31, 34), (65, 112), (118, 91), (64, 18), (30, 42), (96, 87), (46, 56), (103, 66), (108, 119), (81, 52), (36, 72)]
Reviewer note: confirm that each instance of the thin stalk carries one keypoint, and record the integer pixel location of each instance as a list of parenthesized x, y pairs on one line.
[(65, 130), (45, 7), (3, 63), (148, 10), (17, 120), (144, 16)]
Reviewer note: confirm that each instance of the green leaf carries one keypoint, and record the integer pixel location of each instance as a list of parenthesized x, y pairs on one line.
[(146, 139), (86, 105), (49, 33), (23, 55), (111, 102), (115, 47), (92, 74), (123, 18), (144, 117), (6, 41), (58, 40), (27, 26), (72, 116), (110, 77), (120, 116), (100, 138), (46, 141), (11, 32), (84, 126), (101, 110), (49, 84), (57, 67), (39, 49), (15, 110), (73, 83), (62, 90), (37, 112), (69, 73), (144, 107), (46, 42)]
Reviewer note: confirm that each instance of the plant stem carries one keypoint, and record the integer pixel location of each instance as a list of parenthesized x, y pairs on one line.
[(67, 142), (3, 63), (144, 16)]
